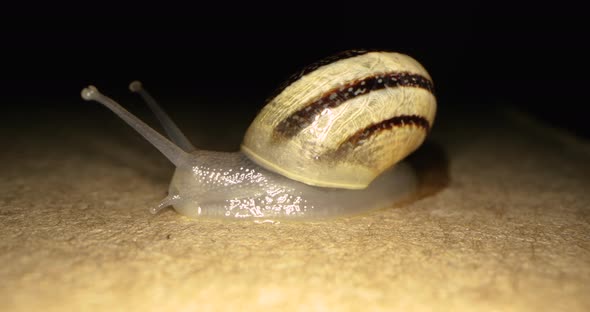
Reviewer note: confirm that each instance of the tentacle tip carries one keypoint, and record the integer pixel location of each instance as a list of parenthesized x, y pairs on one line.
[(89, 93), (135, 86), (156, 209)]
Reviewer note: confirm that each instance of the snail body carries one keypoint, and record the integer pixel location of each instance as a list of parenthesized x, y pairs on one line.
[(326, 145), (232, 185)]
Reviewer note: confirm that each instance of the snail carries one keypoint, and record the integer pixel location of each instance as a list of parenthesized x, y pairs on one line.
[(328, 143)]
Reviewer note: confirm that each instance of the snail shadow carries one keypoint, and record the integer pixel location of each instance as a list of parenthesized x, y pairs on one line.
[(431, 165), (128, 153)]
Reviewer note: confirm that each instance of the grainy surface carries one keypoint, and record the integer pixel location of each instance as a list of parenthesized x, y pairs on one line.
[(510, 232)]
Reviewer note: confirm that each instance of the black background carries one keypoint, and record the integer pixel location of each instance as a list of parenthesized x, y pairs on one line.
[(531, 59)]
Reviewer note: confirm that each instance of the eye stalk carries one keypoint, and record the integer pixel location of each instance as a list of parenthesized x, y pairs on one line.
[(170, 127), (175, 154)]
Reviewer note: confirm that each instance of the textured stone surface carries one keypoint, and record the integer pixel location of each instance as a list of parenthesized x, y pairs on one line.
[(510, 231)]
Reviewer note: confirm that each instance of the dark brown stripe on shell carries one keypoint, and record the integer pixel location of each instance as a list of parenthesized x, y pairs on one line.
[(302, 118), (362, 136), (312, 67)]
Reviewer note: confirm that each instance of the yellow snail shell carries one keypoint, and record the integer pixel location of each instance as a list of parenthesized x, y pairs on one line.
[(344, 123)]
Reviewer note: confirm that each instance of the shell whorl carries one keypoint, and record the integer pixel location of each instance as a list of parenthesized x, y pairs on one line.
[(343, 121)]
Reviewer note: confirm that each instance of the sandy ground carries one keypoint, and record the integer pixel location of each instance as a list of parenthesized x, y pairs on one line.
[(504, 225)]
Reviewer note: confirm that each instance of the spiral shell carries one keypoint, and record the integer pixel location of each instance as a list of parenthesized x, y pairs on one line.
[(343, 121)]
